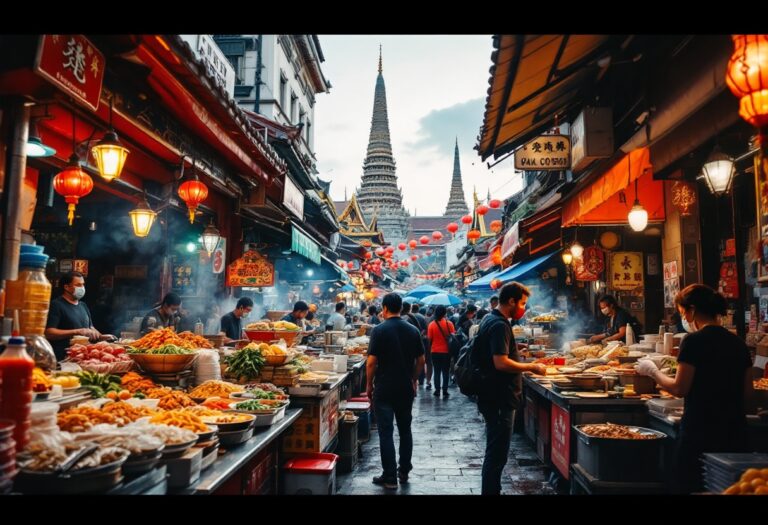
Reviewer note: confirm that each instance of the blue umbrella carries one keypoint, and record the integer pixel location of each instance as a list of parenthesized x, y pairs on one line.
[(423, 291), (441, 299)]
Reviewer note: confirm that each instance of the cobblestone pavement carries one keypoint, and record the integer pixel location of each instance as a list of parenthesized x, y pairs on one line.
[(448, 449)]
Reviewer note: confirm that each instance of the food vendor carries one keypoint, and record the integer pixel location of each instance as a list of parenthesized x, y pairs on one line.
[(299, 313), (618, 317), (232, 323), (68, 316), (163, 315)]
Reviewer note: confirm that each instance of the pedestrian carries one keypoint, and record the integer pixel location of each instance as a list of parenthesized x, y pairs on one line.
[(499, 360), (423, 325), (714, 376), (395, 357), (494, 302), (467, 319), (438, 333), (373, 318)]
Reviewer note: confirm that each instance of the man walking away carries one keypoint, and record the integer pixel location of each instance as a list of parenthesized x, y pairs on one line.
[(498, 358), (395, 358), (466, 319), (423, 324)]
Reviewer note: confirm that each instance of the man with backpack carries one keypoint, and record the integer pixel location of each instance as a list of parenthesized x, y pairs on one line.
[(495, 353), (395, 359), (420, 322)]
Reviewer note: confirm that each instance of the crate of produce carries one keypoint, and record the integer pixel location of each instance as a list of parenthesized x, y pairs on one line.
[(620, 453), (310, 474)]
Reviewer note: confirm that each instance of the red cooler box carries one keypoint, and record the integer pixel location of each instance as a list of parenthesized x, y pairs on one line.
[(310, 474)]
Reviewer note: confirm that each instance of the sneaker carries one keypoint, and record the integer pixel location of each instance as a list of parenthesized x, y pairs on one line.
[(387, 483), (445, 393), (402, 476), (437, 393), (429, 386)]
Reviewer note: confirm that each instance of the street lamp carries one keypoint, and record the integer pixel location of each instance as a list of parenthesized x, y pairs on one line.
[(210, 238), (718, 172), (142, 218)]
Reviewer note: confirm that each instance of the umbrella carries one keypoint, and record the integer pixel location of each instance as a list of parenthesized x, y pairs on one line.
[(441, 299), (424, 290)]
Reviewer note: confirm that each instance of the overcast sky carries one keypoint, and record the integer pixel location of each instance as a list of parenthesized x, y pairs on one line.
[(436, 88)]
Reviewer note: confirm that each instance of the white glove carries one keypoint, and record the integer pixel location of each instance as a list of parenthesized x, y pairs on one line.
[(646, 367)]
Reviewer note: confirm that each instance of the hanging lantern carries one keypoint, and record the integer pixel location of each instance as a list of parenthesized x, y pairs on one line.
[(747, 76), (718, 171), (390, 249), (412, 243), (401, 246), (404, 264), (72, 183), (495, 203), (567, 257), (351, 265), (110, 154), (142, 218), (193, 192), (368, 255), (210, 238), (437, 235), (496, 255), (496, 226), (466, 219), (414, 258), (473, 235), (380, 251), (452, 227), (424, 239), (577, 250), (638, 217), (367, 243), (482, 209), (496, 284)]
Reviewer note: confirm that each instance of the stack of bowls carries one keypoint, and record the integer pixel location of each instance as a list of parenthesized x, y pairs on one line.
[(207, 366), (7, 455)]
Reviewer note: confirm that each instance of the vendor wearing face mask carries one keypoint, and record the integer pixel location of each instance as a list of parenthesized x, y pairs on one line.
[(164, 315), (232, 323), (69, 316), (713, 376), (618, 317)]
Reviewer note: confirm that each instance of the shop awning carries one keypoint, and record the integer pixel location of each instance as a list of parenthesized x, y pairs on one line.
[(484, 282), (534, 78), (522, 268), (600, 201)]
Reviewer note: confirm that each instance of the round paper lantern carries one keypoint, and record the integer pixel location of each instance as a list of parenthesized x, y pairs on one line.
[(401, 246), (390, 249), (368, 255), (72, 183), (414, 258), (496, 255), (412, 243), (747, 76), (496, 226), (496, 284), (452, 227), (466, 219), (482, 209), (495, 203), (473, 235), (380, 251), (193, 192), (424, 239), (437, 235)]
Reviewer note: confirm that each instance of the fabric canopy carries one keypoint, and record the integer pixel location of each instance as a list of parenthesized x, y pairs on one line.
[(600, 201), (484, 282), (520, 269)]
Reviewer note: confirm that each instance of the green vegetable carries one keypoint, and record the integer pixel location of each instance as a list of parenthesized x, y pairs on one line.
[(103, 381), (96, 391), (246, 363), (168, 349), (139, 395), (252, 405)]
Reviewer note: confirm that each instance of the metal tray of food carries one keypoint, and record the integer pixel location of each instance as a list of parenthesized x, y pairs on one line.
[(230, 439)]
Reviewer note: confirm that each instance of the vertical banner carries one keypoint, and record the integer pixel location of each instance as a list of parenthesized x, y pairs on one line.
[(561, 440)]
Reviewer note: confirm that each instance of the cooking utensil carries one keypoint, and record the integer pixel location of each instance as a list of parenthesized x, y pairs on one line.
[(76, 456)]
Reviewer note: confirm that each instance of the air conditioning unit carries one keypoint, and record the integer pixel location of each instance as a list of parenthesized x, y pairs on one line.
[(591, 137)]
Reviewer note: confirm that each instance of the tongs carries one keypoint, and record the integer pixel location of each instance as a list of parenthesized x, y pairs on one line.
[(74, 458)]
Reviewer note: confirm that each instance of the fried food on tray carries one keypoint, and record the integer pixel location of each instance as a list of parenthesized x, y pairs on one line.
[(612, 431), (83, 418), (134, 382), (181, 419), (214, 388)]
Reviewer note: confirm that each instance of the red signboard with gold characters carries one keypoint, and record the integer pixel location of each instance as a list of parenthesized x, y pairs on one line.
[(74, 64), (252, 269)]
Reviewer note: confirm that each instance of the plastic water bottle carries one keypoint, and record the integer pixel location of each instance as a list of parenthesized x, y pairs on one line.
[(630, 335), (199, 327)]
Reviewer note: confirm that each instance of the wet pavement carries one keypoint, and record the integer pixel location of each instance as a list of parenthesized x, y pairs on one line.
[(448, 449)]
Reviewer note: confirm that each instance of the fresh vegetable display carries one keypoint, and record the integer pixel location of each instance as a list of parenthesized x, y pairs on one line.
[(167, 349), (246, 363), (99, 384), (40, 381), (253, 404)]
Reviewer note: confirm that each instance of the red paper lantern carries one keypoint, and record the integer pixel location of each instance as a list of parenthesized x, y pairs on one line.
[(367, 244), (452, 227), (414, 258), (482, 209), (495, 203), (437, 235), (401, 246), (390, 249), (424, 239), (473, 235), (496, 255), (404, 264), (412, 243), (466, 219), (747, 76), (496, 284), (380, 251), (496, 226), (193, 192), (72, 183), (368, 255), (351, 265)]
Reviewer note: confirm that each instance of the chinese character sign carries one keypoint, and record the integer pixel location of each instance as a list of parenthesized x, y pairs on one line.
[(73, 64), (546, 152), (252, 269), (627, 270), (590, 265)]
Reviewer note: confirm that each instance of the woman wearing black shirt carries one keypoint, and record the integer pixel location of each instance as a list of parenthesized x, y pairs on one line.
[(713, 375), (618, 317)]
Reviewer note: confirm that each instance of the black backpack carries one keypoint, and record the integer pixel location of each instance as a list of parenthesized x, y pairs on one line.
[(455, 341), (469, 377)]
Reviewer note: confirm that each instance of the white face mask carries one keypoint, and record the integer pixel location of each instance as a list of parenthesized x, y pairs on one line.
[(605, 310), (689, 327), (246, 315), (79, 292)]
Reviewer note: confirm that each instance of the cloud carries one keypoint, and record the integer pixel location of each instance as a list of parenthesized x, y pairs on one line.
[(439, 128)]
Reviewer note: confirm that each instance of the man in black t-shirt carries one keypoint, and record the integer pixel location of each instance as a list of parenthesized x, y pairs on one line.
[(395, 359), (232, 323), (466, 319), (499, 358), (69, 316)]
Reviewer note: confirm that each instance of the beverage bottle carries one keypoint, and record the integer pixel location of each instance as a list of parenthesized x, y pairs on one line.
[(630, 335), (30, 294), (16, 390), (199, 327)]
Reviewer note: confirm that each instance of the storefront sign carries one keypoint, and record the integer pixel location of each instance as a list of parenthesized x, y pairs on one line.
[(627, 271), (293, 198), (219, 257), (590, 265), (670, 270), (729, 284), (303, 245), (561, 440), (545, 152), (130, 272), (683, 197), (252, 269), (73, 64), (74, 265), (65, 265)]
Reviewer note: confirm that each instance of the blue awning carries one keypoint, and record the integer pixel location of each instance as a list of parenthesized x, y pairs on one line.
[(347, 288), (484, 282)]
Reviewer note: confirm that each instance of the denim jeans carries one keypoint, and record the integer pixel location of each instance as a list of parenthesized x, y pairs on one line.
[(498, 428), (441, 363), (386, 413)]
